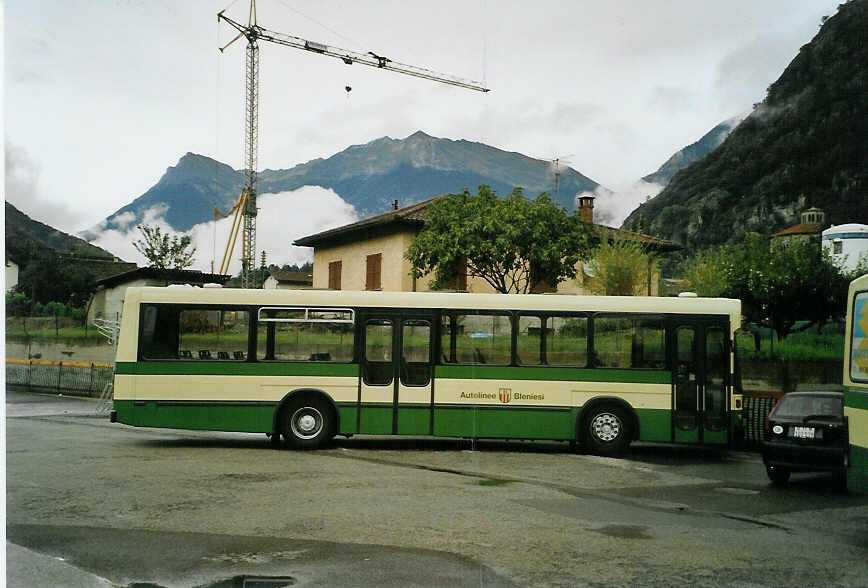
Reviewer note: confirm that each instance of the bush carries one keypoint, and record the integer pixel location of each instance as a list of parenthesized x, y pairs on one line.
[(20, 305)]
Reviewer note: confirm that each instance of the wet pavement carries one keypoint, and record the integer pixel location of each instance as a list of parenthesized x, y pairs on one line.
[(90, 503)]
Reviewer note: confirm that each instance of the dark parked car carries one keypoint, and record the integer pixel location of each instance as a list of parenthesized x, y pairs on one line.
[(807, 431)]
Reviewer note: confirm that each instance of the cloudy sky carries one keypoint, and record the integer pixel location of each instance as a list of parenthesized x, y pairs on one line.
[(103, 96)]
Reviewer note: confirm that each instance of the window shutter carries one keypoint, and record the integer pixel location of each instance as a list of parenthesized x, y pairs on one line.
[(373, 272)]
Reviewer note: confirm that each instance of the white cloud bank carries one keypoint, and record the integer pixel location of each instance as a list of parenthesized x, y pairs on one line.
[(283, 218), (612, 207)]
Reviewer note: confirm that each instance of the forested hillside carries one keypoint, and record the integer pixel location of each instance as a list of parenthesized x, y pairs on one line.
[(804, 145)]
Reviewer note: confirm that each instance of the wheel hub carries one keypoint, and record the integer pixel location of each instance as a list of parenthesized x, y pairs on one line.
[(306, 423), (606, 427)]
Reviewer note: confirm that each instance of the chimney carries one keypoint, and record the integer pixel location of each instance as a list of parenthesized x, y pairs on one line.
[(586, 208)]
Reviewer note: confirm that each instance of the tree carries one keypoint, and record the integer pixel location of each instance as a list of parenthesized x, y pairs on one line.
[(512, 243), (779, 285), (48, 277), (703, 273), (621, 267), (164, 251)]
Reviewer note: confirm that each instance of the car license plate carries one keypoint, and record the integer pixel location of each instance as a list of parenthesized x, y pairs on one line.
[(803, 432)]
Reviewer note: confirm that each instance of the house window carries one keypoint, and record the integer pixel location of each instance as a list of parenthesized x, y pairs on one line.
[(334, 275), (373, 273), (837, 247)]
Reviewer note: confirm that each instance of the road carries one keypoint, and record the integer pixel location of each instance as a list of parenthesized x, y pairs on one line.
[(90, 503)]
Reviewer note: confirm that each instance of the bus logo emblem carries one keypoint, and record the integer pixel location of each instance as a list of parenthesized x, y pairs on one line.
[(504, 394)]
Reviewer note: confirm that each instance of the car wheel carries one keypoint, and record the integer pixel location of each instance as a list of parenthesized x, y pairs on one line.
[(308, 423), (777, 474), (607, 430), (842, 479)]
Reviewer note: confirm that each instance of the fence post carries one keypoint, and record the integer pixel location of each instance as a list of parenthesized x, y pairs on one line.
[(29, 372), (90, 385), (59, 371)]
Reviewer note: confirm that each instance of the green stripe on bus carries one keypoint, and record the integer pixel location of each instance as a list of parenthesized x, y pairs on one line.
[(856, 398), (253, 417), (566, 374), (654, 424), (857, 474), (449, 421), (207, 368)]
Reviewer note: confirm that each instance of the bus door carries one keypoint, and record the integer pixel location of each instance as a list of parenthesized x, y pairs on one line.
[(700, 381), (396, 374)]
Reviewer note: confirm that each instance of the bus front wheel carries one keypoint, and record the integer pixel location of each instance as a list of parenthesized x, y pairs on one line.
[(607, 430), (308, 423)]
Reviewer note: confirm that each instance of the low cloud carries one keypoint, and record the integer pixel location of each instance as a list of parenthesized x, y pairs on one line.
[(616, 205), (23, 192), (283, 218), (123, 220)]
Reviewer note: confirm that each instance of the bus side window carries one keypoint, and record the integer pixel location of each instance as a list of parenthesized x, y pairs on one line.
[(159, 334), (299, 334), (629, 342), (567, 341), (213, 333)]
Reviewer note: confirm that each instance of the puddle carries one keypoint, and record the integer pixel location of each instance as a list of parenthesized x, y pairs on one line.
[(253, 582), (625, 531)]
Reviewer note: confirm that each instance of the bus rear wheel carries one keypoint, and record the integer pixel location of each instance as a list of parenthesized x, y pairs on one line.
[(607, 430), (307, 423)]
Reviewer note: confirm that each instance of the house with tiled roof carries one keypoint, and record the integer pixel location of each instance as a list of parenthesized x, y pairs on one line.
[(370, 254), (809, 228)]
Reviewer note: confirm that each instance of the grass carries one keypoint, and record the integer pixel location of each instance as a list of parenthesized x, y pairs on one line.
[(803, 346), (65, 333)]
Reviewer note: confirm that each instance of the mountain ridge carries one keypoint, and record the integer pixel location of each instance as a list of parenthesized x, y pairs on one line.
[(368, 176)]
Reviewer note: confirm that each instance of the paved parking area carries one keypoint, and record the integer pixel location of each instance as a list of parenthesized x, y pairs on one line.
[(108, 504)]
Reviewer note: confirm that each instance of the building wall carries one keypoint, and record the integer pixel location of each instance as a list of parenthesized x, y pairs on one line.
[(852, 239), (395, 270), (396, 274), (271, 283), (109, 302)]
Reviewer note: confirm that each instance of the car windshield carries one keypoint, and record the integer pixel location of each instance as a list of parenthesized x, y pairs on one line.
[(802, 406)]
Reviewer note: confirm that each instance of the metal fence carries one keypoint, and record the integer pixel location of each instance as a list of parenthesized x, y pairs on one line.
[(88, 379), (756, 409)]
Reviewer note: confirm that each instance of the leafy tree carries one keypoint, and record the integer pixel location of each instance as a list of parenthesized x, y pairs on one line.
[(778, 286), (47, 278), (512, 243), (164, 251), (621, 267), (703, 273)]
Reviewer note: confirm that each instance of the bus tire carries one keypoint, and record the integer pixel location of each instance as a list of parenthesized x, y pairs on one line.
[(607, 430), (778, 475), (307, 423)]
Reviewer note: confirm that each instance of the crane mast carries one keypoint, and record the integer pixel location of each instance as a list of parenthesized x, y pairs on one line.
[(253, 33), (251, 156)]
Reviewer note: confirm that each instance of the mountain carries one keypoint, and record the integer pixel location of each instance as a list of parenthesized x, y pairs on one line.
[(368, 176), (693, 152), (804, 145), (25, 235)]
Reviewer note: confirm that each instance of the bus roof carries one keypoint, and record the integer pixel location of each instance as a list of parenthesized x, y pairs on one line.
[(444, 300)]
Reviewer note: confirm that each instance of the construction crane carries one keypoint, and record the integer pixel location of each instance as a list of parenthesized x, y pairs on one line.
[(246, 206)]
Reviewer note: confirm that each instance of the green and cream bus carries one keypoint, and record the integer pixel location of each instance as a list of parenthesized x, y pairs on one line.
[(306, 365), (856, 382)]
